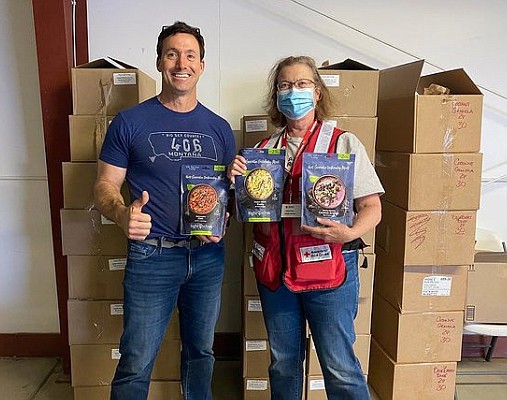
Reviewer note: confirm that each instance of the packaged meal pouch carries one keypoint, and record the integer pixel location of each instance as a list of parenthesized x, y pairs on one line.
[(259, 191), (204, 194), (327, 188)]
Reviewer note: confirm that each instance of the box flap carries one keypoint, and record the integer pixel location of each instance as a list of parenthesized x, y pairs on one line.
[(350, 65), (106, 62), (490, 257), (456, 80), (400, 81)]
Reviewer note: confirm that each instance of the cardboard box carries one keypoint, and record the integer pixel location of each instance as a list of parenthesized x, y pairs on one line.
[(254, 326), (107, 86), (361, 348), (426, 237), (254, 128), (487, 289), (256, 389), (366, 265), (248, 236), (431, 181), (256, 358), (94, 364), (433, 336), (88, 233), (362, 322), (248, 280), (87, 133), (353, 86), (159, 390), (412, 122), (94, 321), (78, 181), (101, 321), (369, 239), (421, 288), (365, 128), (96, 277), (428, 381), (315, 388)]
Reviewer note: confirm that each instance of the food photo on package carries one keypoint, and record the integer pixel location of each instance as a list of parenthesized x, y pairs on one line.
[(327, 184), (259, 191), (204, 195)]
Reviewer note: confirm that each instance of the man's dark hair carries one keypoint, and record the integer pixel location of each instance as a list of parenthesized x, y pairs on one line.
[(180, 27)]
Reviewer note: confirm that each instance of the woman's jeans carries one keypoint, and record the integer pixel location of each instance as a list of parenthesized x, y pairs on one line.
[(156, 280), (330, 315)]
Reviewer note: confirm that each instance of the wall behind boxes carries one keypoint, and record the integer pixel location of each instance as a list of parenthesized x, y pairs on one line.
[(244, 38)]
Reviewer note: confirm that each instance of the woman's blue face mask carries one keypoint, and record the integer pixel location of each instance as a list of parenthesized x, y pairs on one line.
[(295, 103)]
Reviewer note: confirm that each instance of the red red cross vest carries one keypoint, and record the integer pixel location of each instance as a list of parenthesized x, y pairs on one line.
[(279, 247)]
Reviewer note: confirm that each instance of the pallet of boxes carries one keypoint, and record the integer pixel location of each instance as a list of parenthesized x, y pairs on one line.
[(354, 87), (428, 160), (95, 247)]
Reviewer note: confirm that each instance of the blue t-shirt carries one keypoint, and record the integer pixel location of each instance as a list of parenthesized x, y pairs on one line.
[(152, 142)]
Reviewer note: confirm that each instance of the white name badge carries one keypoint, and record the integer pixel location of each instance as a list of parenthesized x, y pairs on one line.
[(315, 253), (291, 210)]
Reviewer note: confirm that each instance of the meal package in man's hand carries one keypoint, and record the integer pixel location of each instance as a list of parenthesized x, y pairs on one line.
[(327, 184), (204, 194), (259, 191)]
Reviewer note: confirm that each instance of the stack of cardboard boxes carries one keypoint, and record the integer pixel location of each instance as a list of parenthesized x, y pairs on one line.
[(95, 247), (354, 88), (429, 163), (255, 351)]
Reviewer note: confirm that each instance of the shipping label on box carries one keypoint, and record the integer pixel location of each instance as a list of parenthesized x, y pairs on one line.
[(256, 389)]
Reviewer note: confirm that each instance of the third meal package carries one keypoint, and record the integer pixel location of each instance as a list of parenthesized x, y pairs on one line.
[(259, 191), (327, 188)]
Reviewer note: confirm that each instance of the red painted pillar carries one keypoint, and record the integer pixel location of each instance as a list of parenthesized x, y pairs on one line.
[(53, 34)]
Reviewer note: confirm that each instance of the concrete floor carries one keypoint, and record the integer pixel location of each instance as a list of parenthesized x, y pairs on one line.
[(42, 379)]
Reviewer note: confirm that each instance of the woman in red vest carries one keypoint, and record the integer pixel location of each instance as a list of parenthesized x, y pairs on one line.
[(321, 290)]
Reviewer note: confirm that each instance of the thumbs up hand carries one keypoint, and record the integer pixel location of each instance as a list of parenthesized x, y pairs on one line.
[(137, 225)]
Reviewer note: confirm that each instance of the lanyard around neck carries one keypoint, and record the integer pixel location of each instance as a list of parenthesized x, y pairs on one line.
[(309, 133)]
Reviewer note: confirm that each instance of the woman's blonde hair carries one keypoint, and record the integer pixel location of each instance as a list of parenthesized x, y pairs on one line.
[(324, 103)]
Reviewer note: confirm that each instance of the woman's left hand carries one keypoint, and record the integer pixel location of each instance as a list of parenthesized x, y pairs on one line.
[(331, 231)]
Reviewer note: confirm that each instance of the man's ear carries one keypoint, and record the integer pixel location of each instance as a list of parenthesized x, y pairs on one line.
[(158, 64)]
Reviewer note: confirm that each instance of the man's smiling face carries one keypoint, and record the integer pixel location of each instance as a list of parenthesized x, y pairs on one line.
[(180, 63)]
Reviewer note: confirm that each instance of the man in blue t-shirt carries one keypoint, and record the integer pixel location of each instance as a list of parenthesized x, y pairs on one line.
[(147, 145)]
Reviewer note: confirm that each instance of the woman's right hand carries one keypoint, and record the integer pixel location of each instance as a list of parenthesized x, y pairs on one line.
[(236, 167)]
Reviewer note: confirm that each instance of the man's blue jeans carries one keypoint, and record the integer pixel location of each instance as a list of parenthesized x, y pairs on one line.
[(330, 315), (156, 279)]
